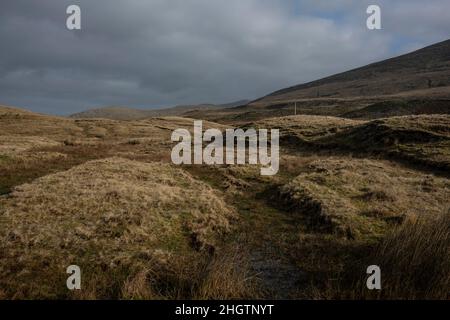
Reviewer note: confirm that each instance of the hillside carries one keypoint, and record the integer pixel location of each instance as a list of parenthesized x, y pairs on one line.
[(125, 113), (422, 69), (411, 84)]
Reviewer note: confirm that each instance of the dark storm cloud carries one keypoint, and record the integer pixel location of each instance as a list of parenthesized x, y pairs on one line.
[(166, 52)]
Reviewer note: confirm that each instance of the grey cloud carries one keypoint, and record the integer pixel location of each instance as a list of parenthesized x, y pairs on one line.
[(165, 52)]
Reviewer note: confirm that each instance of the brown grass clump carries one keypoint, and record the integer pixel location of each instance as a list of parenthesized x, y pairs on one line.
[(415, 261), (306, 128), (356, 198), (14, 144), (110, 217), (229, 276), (223, 275), (422, 140)]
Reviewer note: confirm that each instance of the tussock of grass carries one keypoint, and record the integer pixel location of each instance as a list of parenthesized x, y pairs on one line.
[(306, 128), (229, 276), (14, 144), (362, 197), (415, 260), (423, 139), (224, 275), (107, 216)]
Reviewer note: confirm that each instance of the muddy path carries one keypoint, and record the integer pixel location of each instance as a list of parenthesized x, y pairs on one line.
[(266, 233)]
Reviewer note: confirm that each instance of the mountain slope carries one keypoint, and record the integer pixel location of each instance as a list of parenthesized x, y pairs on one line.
[(411, 84), (422, 69)]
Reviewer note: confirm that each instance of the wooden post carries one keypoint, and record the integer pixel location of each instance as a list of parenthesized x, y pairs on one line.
[(295, 108)]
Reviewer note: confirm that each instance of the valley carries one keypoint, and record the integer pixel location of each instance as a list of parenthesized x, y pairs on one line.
[(363, 180)]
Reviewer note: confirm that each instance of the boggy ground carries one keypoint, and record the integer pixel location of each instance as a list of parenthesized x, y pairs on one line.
[(103, 194)]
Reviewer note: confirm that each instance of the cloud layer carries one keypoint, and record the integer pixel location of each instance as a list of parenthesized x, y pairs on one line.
[(164, 52)]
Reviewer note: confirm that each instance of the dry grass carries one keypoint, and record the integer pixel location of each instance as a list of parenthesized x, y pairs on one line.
[(414, 260), (416, 140), (229, 276), (423, 139), (33, 145), (100, 194), (14, 144), (105, 215), (355, 198), (224, 275), (306, 128), (19, 122)]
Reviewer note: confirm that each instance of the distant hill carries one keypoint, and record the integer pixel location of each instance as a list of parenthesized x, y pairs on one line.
[(125, 113), (14, 111), (235, 104), (114, 113)]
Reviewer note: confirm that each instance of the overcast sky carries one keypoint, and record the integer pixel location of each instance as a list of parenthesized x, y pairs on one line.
[(154, 53)]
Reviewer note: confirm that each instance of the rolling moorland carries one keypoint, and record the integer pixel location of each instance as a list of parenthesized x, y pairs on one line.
[(364, 179)]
